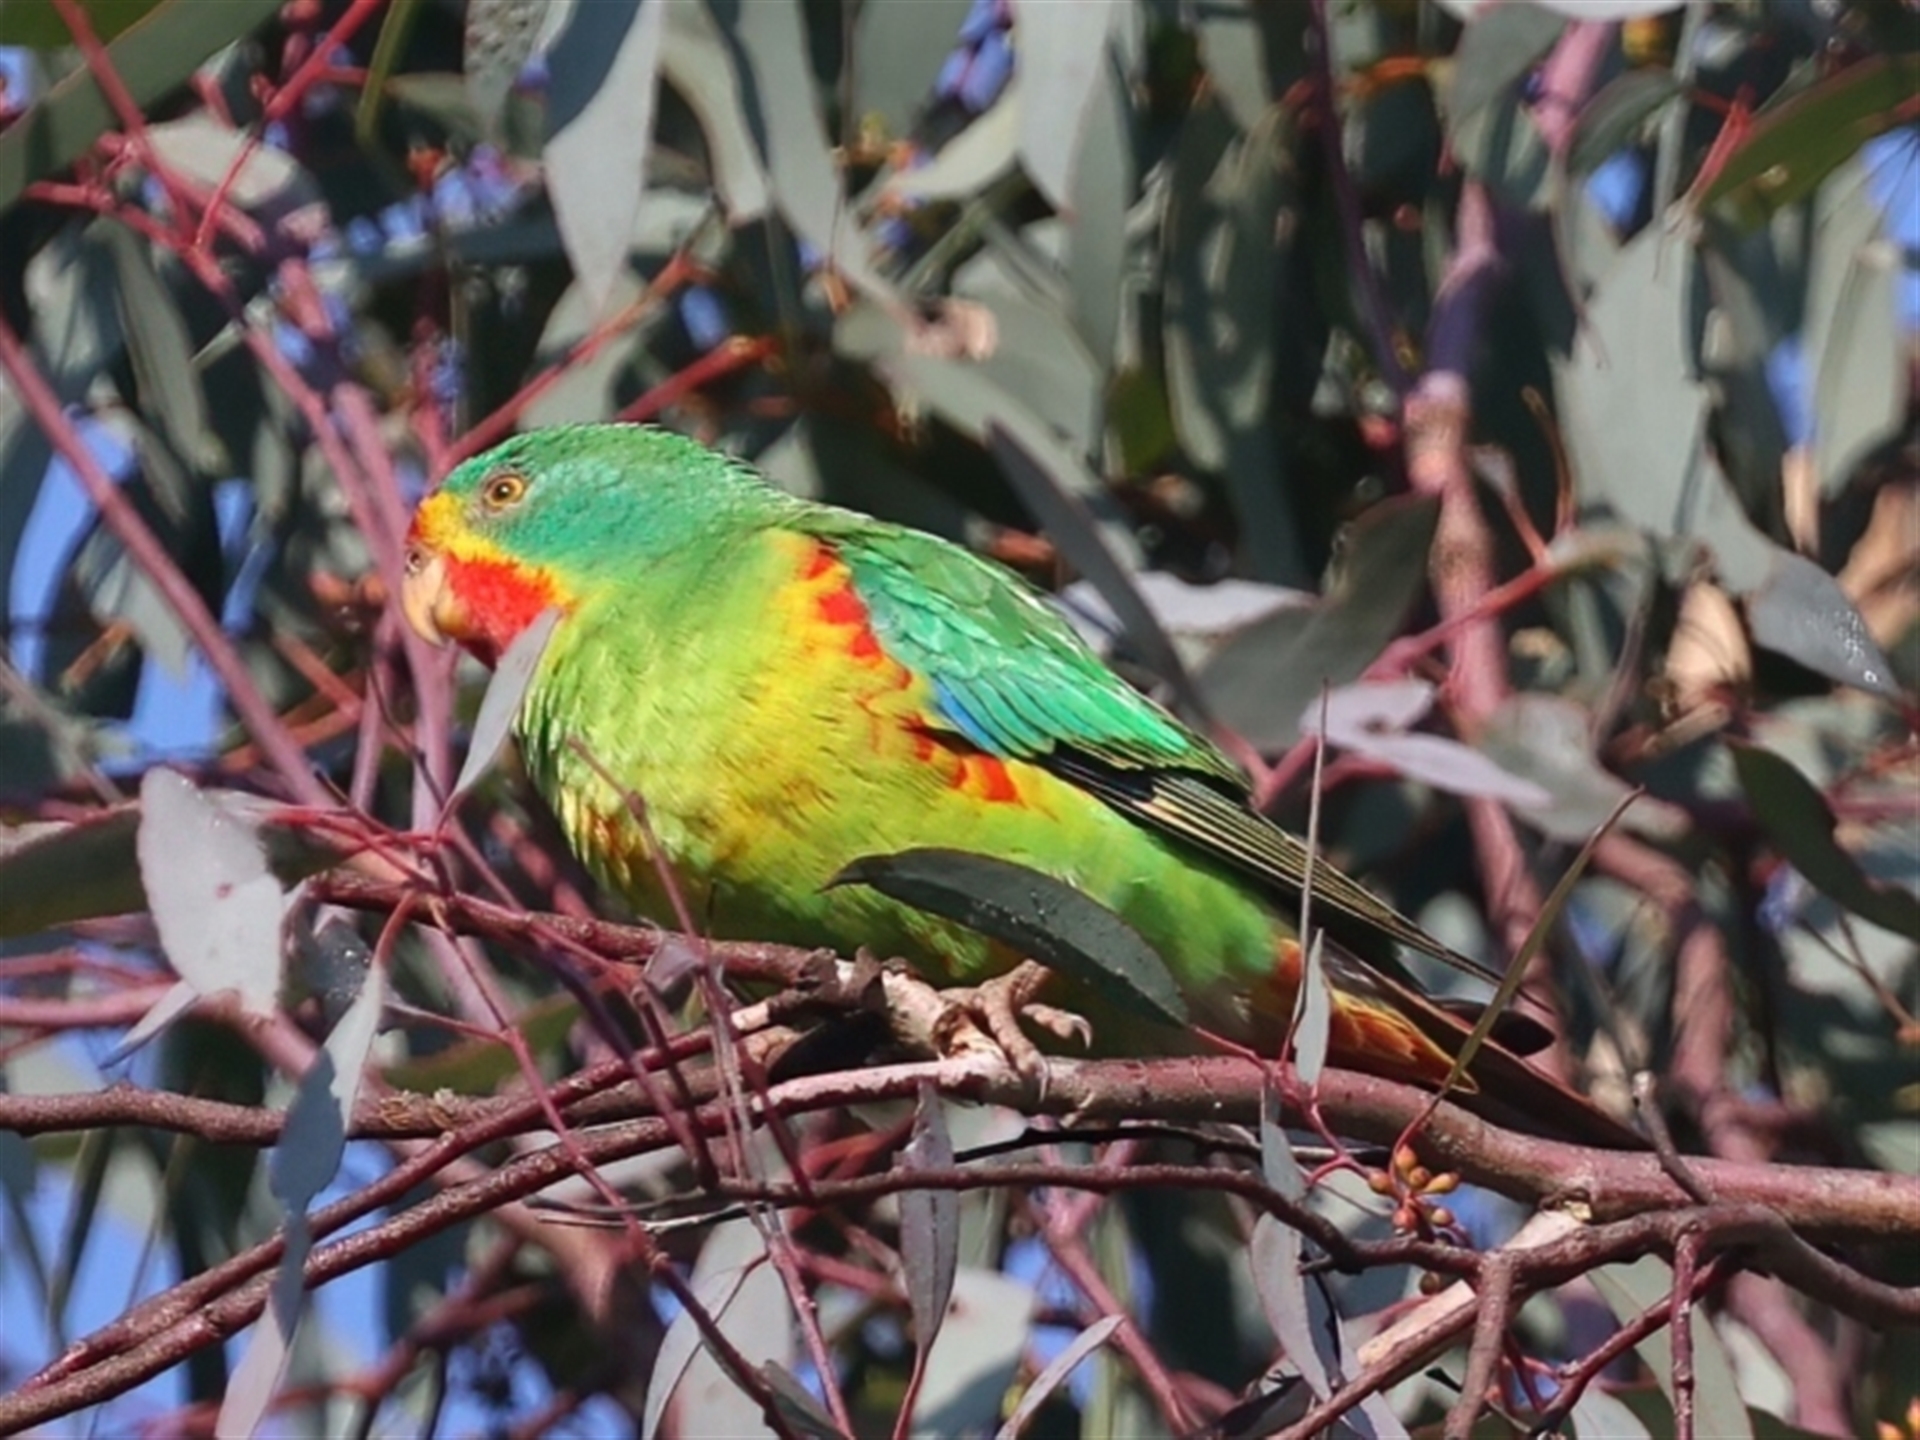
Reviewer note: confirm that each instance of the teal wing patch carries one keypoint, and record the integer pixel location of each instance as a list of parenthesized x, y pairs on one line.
[(1008, 673)]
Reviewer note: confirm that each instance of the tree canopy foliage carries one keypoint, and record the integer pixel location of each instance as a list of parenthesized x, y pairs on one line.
[(1493, 420)]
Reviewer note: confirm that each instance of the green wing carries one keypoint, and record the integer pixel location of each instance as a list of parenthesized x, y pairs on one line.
[(1010, 675)]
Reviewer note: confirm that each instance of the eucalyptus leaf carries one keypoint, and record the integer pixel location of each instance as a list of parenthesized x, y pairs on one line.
[(1801, 825), (1063, 56), (977, 1355), (929, 1223), (1037, 915), (1261, 681), (500, 705), (153, 56), (215, 902), (602, 75)]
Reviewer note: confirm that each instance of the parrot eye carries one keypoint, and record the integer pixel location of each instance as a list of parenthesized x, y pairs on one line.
[(504, 491)]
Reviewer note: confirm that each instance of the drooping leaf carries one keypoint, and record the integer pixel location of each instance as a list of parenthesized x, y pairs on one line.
[(1288, 1298), (1231, 223), (1100, 190), (1058, 1370), (769, 46), (1490, 126), (602, 70), (1313, 1022), (929, 1224), (1038, 916), (1801, 825), (500, 705), (162, 352), (304, 1162), (738, 1286), (695, 60)]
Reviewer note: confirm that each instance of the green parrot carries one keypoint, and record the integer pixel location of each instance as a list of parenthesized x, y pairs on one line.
[(788, 687)]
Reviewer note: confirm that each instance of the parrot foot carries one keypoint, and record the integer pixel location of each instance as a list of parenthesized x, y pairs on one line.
[(997, 1006)]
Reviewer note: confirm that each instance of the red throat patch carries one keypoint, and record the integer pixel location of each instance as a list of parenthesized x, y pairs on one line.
[(500, 599)]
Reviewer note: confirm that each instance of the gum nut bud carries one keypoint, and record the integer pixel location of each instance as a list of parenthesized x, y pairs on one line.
[(1404, 1159), (1431, 1283), (1419, 1177), (1441, 1216), (1405, 1217), (1380, 1183), (1445, 1183)]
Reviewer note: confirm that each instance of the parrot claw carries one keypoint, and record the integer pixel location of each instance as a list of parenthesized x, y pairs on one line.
[(997, 1007)]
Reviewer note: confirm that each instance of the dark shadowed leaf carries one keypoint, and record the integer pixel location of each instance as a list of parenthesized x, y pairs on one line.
[(1791, 147), (478, 1066), (1801, 825), (1489, 124), (151, 57), (1262, 680), (1037, 915), (977, 1355), (929, 1223), (1616, 116), (603, 70), (215, 902), (162, 352), (1548, 740), (1801, 612), (500, 706), (54, 873), (797, 1406), (1231, 219)]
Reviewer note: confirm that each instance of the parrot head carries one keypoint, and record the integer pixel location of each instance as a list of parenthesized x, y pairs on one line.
[(547, 518)]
